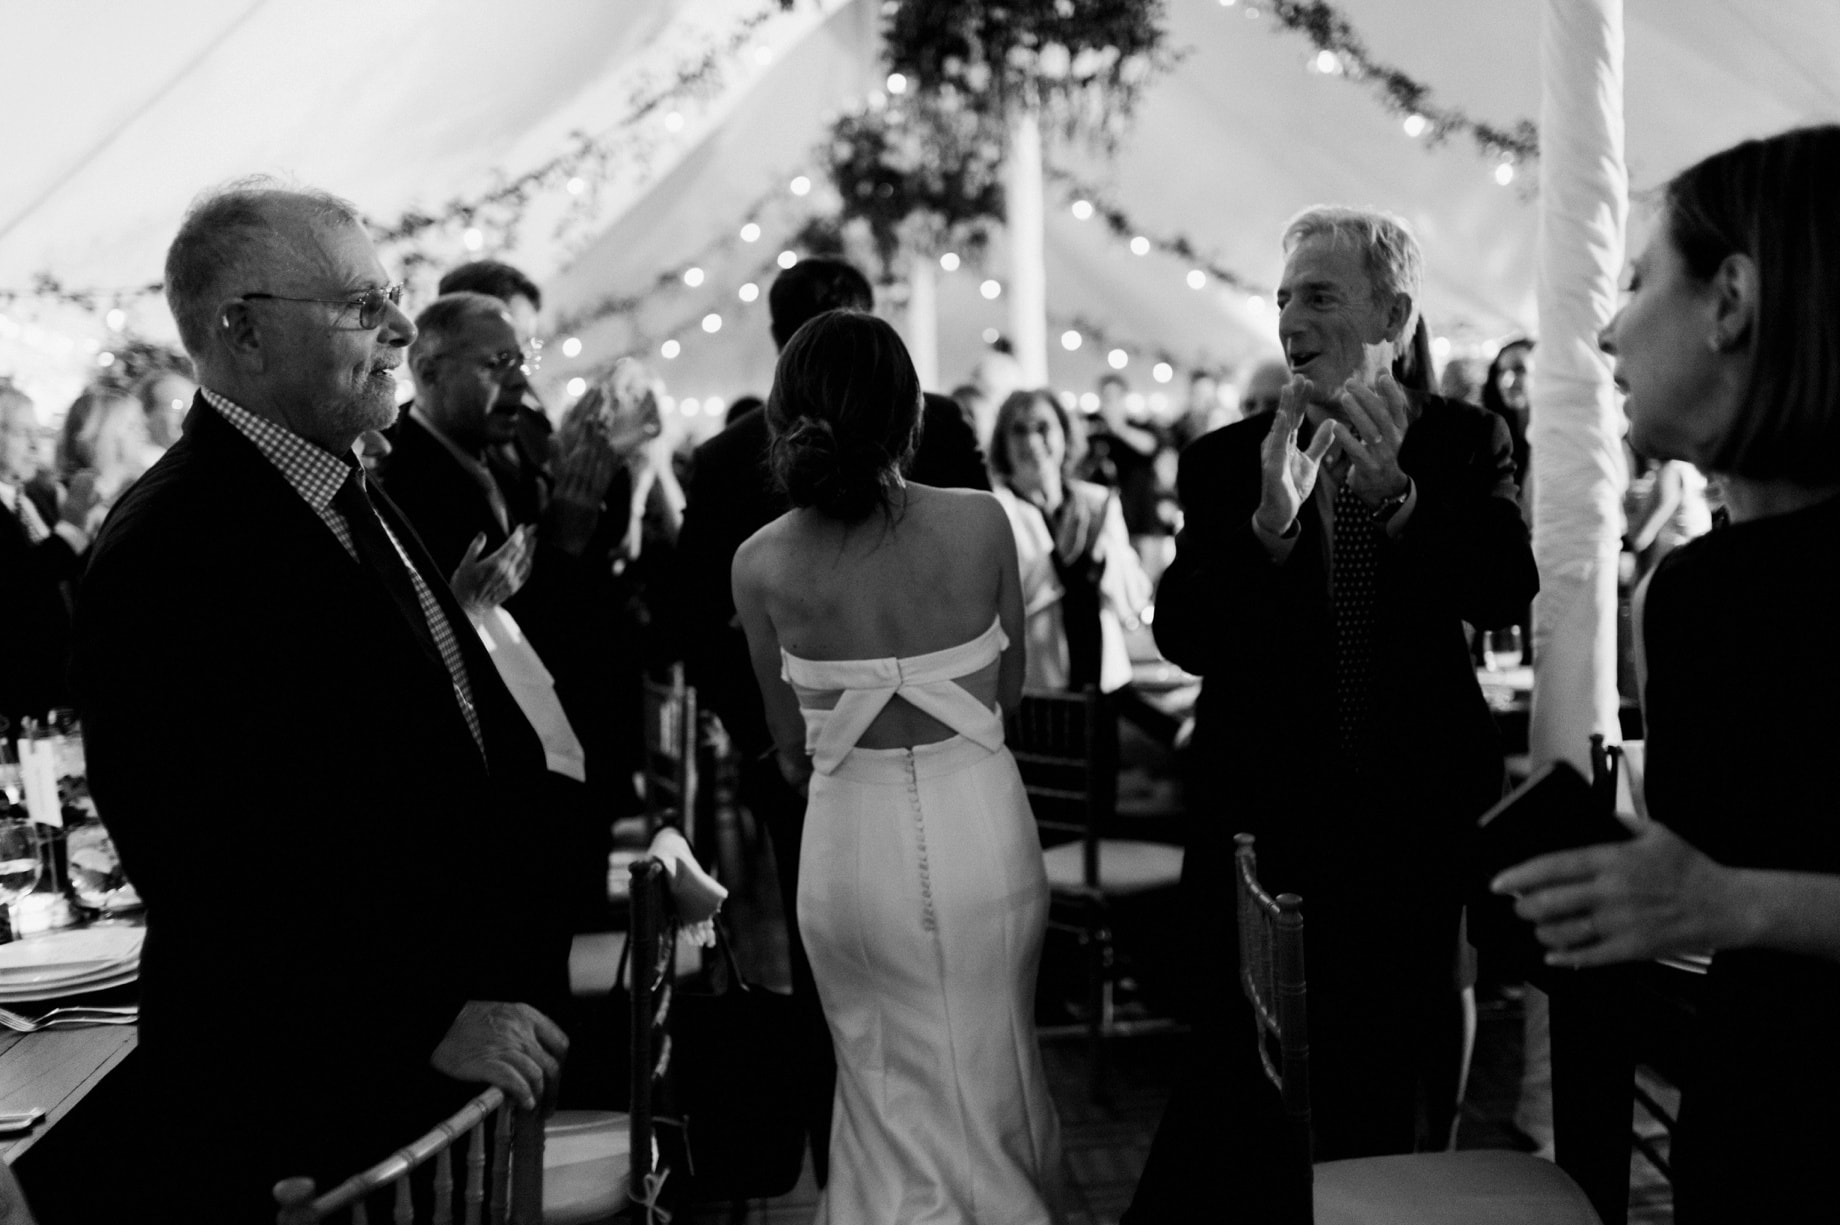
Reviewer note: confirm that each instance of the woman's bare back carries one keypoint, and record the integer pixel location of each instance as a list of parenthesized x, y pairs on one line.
[(932, 578)]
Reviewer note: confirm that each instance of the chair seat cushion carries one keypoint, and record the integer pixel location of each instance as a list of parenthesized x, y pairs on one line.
[(587, 1165), (1125, 866), (1492, 1185)]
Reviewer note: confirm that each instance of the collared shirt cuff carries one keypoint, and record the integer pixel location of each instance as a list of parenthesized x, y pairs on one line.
[(72, 535), (1397, 523), (1277, 547)]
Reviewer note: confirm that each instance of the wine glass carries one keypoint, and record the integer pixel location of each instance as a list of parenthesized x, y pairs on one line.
[(19, 865)]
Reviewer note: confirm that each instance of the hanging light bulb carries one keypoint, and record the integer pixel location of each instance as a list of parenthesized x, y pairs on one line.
[(1415, 125), (1504, 173), (1082, 210), (712, 323), (990, 289), (788, 258), (1118, 359), (1070, 340), (669, 349), (1197, 279), (897, 84), (748, 292), (577, 185), (949, 261), (571, 347), (801, 186), (750, 232), (693, 277), (473, 239), (577, 387), (1162, 372), (1140, 245)]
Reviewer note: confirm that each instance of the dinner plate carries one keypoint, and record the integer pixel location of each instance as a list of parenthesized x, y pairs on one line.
[(68, 956), (56, 991), (70, 981)]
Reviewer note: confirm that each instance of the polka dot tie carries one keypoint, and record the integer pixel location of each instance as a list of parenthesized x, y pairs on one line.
[(30, 520), (1357, 560)]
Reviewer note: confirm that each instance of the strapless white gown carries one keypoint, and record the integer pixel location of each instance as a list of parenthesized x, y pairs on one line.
[(923, 901)]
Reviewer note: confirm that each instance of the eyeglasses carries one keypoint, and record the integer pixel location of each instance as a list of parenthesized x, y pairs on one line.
[(370, 303), (504, 361)]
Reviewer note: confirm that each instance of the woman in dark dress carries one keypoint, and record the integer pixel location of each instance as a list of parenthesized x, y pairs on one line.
[(1729, 347)]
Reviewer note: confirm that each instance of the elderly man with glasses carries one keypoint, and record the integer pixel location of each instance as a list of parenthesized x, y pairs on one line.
[(314, 774)]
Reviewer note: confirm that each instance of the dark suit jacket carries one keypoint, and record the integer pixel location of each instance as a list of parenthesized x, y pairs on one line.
[(34, 620), (731, 496), (296, 794)]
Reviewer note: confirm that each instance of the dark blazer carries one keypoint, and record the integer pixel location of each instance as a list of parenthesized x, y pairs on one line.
[(296, 794), (448, 507), (34, 620), (1261, 634), (731, 496)]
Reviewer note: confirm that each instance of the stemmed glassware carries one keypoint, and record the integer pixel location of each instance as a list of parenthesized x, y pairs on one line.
[(19, 864)]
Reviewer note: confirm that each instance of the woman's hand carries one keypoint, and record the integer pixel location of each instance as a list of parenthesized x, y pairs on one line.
[(1653, 896)]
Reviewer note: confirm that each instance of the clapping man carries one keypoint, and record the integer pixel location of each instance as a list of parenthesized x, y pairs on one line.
[(314, 774), (1331, 553)]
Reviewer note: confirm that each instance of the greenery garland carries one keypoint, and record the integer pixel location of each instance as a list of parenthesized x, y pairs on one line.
[(923, 173), (1081, 66), (1332, 32)]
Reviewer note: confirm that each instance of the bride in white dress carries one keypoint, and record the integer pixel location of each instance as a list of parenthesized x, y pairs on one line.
[(885, 623)]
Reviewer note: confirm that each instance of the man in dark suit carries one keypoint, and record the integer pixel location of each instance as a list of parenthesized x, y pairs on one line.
[(470, 383), (1329, 558), (312, 770), (523, 462), (38, 562), (732, 496)]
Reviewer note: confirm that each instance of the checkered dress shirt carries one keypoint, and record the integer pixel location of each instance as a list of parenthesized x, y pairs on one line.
[(316, 475)]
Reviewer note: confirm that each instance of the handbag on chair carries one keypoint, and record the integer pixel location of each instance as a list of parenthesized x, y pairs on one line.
[(736, 1084)]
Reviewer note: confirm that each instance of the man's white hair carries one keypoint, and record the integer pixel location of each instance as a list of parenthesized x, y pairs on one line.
[(1389, 250)]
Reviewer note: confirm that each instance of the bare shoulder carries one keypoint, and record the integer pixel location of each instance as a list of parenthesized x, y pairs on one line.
[(961, 511), (760, 555)]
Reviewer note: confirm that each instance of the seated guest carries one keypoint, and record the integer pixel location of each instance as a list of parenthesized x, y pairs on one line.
[(105, 436), (1081, 580), (313, 772), (1504, 393), (38, 560), (1725, 344), (1263, 386), (164, 397)]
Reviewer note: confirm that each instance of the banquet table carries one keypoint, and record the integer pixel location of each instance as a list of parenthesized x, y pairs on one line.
[(53, 1071)]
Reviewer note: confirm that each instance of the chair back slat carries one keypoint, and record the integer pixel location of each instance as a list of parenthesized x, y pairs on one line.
[(1066, 749), (670, 760), (1271, 973), (654, 959), (517, 1186)]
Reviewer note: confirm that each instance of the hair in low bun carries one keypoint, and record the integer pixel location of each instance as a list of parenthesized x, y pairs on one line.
[(844, 414)]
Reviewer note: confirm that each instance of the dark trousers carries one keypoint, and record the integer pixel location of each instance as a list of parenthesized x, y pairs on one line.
[(782, 810)]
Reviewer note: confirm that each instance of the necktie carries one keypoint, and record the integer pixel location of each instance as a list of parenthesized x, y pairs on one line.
[(414, 601), (29, 518), (1357, 557)]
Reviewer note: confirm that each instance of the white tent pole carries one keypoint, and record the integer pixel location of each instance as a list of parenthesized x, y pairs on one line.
[(1576, 427), (923, 317), (1028, 275)]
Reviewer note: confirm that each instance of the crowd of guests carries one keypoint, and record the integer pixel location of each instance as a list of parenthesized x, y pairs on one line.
[(415, 633)]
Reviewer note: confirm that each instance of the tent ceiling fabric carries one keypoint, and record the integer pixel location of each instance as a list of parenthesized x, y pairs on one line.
[(413, 103)]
